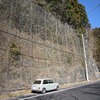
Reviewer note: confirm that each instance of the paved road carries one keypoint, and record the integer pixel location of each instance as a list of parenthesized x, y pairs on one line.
[(88, 92)]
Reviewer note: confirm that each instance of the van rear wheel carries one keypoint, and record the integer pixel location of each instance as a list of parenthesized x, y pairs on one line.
[(43, 90)]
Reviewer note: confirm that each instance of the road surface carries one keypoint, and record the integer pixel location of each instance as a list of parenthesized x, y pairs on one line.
[(87, 92)]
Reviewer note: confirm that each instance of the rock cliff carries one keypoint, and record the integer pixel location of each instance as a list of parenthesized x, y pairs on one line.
[(35, 44)]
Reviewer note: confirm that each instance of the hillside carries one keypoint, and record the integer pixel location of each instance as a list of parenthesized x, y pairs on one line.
[(36, 44), (95, 43), (70, 11)]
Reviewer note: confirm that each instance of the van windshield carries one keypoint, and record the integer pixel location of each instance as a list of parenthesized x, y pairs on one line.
[(37, 82)]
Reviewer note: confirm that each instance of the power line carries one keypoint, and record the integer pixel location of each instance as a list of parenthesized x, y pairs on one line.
[(94, 8)]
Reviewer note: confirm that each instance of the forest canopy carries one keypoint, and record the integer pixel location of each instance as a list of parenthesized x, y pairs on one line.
[(70, 11)]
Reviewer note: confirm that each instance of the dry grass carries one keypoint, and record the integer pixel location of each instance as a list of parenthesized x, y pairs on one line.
[(15, 94), (28, 92), (77, 83)]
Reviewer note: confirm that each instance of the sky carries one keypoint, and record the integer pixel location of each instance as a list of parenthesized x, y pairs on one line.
[(93, 12)]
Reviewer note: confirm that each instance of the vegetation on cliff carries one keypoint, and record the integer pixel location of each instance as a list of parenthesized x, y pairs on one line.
[(69, 11), (96, 42)]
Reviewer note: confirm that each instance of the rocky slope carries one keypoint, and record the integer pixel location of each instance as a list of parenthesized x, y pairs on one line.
[(35, 44)]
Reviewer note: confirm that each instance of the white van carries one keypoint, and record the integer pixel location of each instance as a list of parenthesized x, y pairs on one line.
[(43, 85)]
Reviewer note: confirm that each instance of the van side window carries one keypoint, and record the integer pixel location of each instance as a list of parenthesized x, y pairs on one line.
[(50, 81), (45, 82)]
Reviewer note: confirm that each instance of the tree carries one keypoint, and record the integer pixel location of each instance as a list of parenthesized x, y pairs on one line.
[(96, 51), (70, 11)]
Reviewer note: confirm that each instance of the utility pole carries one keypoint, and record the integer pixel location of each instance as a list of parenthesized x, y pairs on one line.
[(85, 58), (84, 50)]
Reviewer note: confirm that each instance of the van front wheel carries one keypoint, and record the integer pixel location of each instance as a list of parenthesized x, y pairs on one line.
[(57, 88)]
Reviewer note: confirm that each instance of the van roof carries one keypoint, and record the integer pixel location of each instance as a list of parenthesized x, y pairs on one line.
[(44, 79)]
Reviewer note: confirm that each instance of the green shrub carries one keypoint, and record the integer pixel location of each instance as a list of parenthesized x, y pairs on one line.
[(14, 51)]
